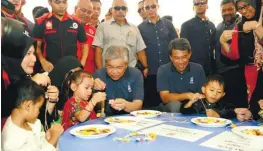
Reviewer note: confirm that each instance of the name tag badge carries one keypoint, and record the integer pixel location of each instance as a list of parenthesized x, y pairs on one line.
[(191, 80), (129, 87)]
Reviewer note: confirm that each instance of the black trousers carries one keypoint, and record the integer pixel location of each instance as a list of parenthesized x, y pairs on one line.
[(151, 96)]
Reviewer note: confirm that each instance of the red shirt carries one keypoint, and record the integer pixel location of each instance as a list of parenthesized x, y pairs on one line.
[(90, 62), (71, 107)]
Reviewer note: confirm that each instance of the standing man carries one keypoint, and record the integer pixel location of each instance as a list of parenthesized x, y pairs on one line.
[(118, 31), (236, 91), (141, 10), (84, 11), (60, 33), (179, 80), (96, 13), (156, 33), (201, 34)]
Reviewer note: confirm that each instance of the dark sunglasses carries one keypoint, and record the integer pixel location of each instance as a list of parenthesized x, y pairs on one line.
[(242, 8), (201, 3), (151, 6), (140, 10), (118, 8)]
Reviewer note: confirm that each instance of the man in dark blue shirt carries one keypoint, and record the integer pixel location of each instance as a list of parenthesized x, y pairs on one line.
[(123, 85), (179, 80), (201, 34), (156, 33)]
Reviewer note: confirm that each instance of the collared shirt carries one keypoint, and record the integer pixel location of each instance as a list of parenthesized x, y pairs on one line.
[(129, 87), (191, 80), (90, 62), (60, 37), (157, 37), (110, 33), (201, 35), (223, 63)]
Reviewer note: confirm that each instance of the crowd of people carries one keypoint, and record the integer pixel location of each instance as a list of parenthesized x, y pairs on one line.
[(66, 69)]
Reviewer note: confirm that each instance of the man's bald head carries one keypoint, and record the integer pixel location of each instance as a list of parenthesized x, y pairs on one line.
[(84, 10), (84, 2)]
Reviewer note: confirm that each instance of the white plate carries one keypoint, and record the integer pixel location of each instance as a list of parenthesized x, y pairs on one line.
[(122, 120), (146, 113), (240, 131), (98, 126), (224, 123)]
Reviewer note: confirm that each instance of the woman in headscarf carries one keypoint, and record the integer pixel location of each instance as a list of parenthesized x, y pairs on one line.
[(243, 44), (62, 70), (21, 66)]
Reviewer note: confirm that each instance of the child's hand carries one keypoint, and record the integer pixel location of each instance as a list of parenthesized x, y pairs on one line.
[(260, 102), (98, 97), (54, 133), (212, 113), (48, 135), (188, 104), (56, 130), (193, 97)]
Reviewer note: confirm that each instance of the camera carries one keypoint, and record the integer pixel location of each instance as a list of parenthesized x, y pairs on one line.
[(13, 37)]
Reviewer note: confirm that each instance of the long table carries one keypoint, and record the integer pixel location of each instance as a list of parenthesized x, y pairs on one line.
[(68, 142)]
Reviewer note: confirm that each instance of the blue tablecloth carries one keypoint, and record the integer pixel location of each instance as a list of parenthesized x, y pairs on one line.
[(68, 142)]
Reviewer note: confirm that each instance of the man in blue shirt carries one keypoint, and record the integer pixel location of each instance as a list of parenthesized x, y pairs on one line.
[(179, 80), (201, 34), (157, 33), (123, 85)]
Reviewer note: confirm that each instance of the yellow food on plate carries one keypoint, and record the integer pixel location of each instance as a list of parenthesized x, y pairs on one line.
[(146, 113), (209, 121), (254, 132), (93, 131), (118, 120)]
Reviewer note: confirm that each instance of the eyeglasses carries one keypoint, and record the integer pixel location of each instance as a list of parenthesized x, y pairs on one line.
[(118, 8), (150, 6), (242, 8), (140, 10), (200, 3)]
